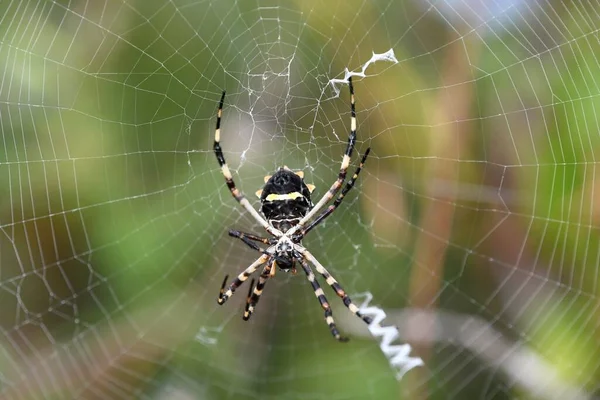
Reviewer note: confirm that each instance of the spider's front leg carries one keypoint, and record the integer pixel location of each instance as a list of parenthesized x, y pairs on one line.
[(334, 285), (322, 299), (224, 295), (254, 294)]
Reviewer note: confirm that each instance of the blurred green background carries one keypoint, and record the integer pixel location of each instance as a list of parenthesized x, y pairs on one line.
[(478, 208)]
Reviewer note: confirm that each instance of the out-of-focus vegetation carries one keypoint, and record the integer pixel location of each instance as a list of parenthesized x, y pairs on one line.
[(479, 200)]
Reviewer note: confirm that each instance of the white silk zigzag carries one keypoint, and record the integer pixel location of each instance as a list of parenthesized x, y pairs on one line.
[(397, 355)]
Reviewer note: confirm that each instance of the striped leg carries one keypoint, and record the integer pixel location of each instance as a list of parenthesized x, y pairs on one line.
[(248, 241), (235, 192), (338, 201), (322, 299), (343, 169), (336, 287), (241, 278), (254, 295), (250, 236)]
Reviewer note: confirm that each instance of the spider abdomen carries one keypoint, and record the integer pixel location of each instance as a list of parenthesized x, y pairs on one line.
[(285, 199)]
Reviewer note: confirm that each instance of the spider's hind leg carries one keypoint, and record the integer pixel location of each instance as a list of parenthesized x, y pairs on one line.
[(337, 185), (235, 192), (329, 210)]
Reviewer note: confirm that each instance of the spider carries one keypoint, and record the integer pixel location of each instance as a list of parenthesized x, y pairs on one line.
[(288, 211)]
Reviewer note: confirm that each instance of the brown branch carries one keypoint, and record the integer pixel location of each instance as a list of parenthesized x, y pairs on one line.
[(449, 137)]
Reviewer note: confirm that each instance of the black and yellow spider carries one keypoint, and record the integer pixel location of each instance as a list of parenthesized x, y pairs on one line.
[(287, 207)]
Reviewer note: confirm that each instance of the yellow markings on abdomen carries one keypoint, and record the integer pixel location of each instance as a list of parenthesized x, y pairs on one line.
[(286, 196)]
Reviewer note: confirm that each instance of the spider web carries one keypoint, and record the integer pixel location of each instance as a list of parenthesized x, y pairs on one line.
[(473, 227)]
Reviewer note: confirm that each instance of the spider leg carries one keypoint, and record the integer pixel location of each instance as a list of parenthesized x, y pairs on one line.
[(250, 291), (235, 192), (335, 286), (343, 169), (322, 299), (254, 246), (337, 202), (241, 235), (241, 278), (251, 244), (254, 295)]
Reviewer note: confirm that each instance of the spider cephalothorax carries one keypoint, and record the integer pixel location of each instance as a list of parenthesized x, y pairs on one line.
[(288, 209)]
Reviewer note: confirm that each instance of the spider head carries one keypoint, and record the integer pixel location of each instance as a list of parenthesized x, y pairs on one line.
[(284, 254)]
